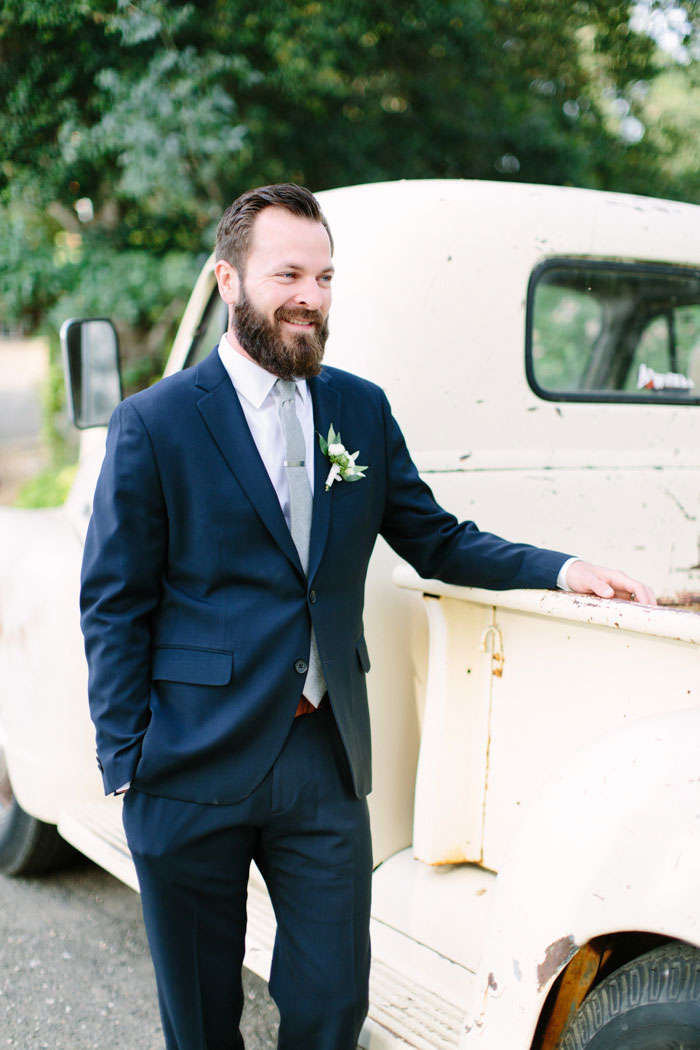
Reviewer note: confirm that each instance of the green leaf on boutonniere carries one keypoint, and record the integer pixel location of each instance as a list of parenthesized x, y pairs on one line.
[(343, 465)]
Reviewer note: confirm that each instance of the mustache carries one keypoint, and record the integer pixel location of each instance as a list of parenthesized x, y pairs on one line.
[(308, 316)]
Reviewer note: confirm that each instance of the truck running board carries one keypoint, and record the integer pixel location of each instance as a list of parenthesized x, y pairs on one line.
[(402, 1012)]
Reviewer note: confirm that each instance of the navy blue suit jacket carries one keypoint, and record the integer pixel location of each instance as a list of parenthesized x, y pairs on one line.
[(195, 609)]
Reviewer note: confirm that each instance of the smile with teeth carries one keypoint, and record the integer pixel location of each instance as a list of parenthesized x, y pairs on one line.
[(300, 322)]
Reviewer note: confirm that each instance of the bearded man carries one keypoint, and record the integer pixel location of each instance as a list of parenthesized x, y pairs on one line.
[(222, 597)]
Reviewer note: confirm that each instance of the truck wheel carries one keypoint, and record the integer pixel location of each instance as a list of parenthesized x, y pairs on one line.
[(650, 1003), (27, 846)]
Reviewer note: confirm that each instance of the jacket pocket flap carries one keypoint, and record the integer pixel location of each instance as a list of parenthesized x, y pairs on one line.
[(362, 654), (196, 666)]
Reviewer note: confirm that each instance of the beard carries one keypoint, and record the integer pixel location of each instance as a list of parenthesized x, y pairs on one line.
[(288, 356)]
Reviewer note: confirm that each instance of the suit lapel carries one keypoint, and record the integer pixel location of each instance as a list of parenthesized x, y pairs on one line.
[(223, 415), (327, 403)]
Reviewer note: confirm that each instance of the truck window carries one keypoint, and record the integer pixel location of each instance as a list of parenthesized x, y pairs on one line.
[(213, 324), (604, 331)]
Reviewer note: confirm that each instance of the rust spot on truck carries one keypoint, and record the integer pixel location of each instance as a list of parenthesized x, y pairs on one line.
[(557, 955), (492, 635)]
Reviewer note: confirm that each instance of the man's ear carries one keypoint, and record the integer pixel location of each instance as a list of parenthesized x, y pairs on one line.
[(228, 281)]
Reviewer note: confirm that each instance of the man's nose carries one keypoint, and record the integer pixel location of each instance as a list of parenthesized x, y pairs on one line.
[(309, 294)]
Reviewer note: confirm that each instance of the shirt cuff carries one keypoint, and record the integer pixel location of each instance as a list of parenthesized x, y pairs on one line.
[(123, 789), (562, 585)]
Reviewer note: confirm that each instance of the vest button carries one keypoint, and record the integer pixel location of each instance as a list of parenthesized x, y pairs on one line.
[(301, 666)]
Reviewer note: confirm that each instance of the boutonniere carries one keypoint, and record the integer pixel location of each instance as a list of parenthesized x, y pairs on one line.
[(343, 465)]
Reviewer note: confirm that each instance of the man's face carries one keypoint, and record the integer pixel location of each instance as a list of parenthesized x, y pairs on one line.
[(280, 317)]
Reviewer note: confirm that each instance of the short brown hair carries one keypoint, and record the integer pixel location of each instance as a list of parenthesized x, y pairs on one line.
[(234, 232)]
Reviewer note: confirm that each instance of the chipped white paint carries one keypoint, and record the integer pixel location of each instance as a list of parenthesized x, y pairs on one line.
[(610, 841)]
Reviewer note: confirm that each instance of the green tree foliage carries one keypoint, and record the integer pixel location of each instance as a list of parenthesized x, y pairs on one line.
[(126, 127)]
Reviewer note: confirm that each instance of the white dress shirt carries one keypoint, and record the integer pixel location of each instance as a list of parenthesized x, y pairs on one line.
[(561, 578), (253, 386), (261, 408)]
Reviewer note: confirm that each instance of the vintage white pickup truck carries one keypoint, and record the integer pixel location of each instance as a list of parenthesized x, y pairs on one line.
[(536, 814)]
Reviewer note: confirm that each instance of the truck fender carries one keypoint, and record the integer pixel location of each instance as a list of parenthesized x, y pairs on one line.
[(47, 735), (611, 842)]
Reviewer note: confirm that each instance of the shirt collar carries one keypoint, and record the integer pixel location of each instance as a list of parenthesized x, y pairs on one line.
[(252, 381)]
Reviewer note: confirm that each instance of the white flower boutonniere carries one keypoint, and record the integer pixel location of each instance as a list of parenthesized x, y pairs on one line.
[(343, 465)]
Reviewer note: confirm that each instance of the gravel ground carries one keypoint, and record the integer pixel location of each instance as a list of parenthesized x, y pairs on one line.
[(75, 973)]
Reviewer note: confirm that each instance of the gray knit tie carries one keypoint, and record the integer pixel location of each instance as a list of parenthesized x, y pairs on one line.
[(300, 508)]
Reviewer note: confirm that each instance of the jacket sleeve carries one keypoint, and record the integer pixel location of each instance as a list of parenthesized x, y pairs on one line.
[(439, 546), (123, 563)]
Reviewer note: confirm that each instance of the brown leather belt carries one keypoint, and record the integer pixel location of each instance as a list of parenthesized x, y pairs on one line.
[(305, 707)]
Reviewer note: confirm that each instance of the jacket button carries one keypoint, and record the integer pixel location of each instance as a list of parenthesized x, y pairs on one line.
[(301, 667), (312, 597)]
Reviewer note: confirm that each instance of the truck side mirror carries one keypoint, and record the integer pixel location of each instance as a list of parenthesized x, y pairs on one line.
[(91, 370)]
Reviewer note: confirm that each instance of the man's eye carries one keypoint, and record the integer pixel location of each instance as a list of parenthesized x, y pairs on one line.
[(326, 277)]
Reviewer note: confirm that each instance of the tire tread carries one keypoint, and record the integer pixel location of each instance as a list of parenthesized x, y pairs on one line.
[(29, 846), (666, 975)]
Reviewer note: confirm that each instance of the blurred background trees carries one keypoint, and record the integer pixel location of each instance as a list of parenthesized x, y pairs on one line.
[(125, 128)]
